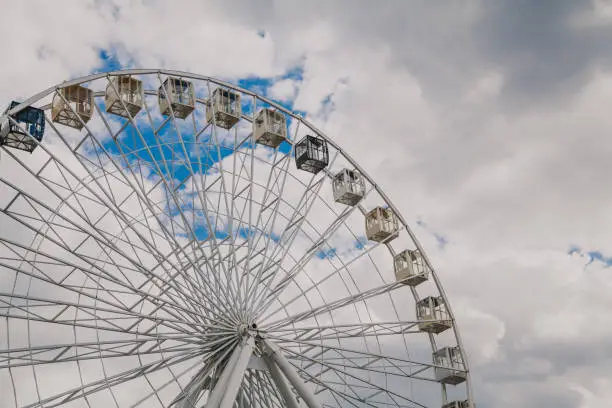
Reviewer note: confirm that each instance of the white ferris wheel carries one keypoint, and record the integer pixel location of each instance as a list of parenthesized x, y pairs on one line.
[(172, 240)]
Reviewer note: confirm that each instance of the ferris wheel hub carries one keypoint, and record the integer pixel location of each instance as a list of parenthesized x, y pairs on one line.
[(243, 330)]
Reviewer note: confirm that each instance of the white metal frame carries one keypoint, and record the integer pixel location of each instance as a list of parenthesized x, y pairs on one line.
[(195, 321)]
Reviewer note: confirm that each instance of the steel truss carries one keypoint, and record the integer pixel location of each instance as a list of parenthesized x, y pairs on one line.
[(198, 269)]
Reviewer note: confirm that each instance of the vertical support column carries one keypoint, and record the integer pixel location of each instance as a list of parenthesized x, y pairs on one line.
[(292, 375), (233, 383), (281, 383), (215, 396)]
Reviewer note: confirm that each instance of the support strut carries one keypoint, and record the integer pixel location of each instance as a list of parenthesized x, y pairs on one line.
[(285, 366), (234, 381), (281, 383), (232, 374)]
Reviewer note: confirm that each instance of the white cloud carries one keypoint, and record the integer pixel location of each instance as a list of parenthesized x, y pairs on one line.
[(283, 90), (427, 114)]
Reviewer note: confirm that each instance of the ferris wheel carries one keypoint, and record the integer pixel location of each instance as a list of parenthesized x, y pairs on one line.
[(169, 239)]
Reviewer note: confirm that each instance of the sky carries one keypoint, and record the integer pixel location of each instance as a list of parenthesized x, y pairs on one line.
[(486, 123)]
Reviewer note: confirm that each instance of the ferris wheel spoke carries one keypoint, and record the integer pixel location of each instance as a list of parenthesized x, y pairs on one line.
[(299, 215), (338, 395), (98, 238), (274, 292), (59, 312), (204, 378), (91, 323), (356, 359), (131, 220), (340, 331), (305, 375), (245, 278), (342, 374), (230, 294), (331, 306), (271, 198), (168, 190), (300, 212), (158, 303), (45, 260), (260, 395), (246, 258), (277, 201), (194, 283), (192, 287), (173, 380), (62, 353), (229, 205), (113, 381), (147, 202), (95, 275), (236, 178), (149, 228)]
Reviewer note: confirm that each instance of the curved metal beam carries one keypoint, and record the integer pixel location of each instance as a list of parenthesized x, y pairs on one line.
[(298, 117)]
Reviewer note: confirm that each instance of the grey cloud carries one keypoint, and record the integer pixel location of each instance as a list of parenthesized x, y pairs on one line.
[(488, 176), (540, 47), (448, 45)]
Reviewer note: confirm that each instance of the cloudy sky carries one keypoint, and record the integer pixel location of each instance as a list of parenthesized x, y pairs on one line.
[(486, 123)]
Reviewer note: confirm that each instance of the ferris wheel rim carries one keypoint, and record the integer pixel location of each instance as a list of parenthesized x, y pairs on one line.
[(301, 119)]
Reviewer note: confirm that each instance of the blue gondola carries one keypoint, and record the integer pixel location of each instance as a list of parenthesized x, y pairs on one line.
[(28, 120)]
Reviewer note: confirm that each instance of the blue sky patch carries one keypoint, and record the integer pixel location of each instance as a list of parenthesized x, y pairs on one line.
[(361, 242), (440, 239), (258, 85), (296, 73), (592, 256), (109, 61), (326, 253), (156, 150)]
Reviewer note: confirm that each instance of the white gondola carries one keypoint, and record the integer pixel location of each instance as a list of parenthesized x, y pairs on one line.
[(72, 106), (177, 96), (410, 267), (381, 224), (124, 96), (270, 128), (223, 108), (432, 315), (349, 187), (449, 366)]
